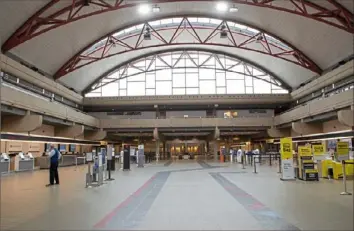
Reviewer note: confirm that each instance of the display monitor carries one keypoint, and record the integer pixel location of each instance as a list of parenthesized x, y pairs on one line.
[(62, 147), (72, 148)]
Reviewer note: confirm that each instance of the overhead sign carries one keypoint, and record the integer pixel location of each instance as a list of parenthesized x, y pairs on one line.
[(318, 149), (304, 151), (286, 148), (343, 150)]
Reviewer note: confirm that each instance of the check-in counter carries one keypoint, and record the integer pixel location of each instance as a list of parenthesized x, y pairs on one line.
[(66, 160), (4, 163), (24, 162)]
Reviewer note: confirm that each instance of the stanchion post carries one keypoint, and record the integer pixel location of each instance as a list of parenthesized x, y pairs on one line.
[(254, 164), (344, 180), (279, 170), (270, 159), (243, 161)]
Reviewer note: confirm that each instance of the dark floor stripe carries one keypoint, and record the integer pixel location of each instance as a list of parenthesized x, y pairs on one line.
[(168, 163), (132, 211), (267, 218)]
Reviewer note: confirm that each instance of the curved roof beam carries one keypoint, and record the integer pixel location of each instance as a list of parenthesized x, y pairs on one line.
[(127, 62), (187, 31), (56, 14)]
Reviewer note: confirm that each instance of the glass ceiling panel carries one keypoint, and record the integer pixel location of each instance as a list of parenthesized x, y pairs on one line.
[(157, 24), (185, 78)]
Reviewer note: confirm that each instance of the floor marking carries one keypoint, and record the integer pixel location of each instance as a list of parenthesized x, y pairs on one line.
[(132, 211), (268, 219), (168, 163)]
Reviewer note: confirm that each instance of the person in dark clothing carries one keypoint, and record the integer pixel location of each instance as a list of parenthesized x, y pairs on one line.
[(54, 156)]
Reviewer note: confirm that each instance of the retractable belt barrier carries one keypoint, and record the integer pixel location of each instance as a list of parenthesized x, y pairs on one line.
[(267, 155), (345, 178)]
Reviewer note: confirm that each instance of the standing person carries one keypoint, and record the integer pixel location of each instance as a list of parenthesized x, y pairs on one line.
[(54, 156)]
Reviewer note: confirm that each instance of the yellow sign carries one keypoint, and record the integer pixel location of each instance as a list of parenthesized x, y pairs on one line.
[(318, 149), (269, 141), (286, 148), (304, 151), (343, 148)]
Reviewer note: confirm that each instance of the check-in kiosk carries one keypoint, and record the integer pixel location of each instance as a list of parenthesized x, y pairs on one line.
[(24, 162), (306, 165), (4, 163)]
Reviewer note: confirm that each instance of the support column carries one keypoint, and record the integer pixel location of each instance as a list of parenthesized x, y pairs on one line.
[(346, 117), (306, 128), (276, 133), (164, 150), (69, 131), (157, 150), (95, 135), (25, 123), (216, 148)]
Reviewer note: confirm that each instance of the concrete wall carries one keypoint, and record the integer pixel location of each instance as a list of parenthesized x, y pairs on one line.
[(16, 98), (316, 107), (325, 80), (246, 113), (144, 115), (187, 122), (188, 99), (12, 67), (181, 114)]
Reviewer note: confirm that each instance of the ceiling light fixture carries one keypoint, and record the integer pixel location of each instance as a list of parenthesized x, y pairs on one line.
[(86, 3), (223, 33), (147, 34), (222, 6), (144, 9), (156, 9)]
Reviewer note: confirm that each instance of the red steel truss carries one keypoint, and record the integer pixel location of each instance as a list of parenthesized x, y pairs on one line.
[(260, 42), (58, 13)]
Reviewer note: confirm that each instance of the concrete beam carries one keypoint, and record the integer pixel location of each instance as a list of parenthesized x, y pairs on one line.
[(95, 135), (306, 128), (25, 123), (69, 131), (277, 133), (346, 117)]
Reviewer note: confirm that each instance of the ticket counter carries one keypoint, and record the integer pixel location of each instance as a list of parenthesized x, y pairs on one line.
[(24, 162), (4, 163)]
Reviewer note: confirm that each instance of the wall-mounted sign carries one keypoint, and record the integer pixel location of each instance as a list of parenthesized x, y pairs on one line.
[(304, 150), (34, 147), (15, 147), (230, 114), (318, 149)]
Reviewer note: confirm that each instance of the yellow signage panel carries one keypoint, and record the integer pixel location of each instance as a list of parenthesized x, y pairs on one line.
[(304, 151), (318, 149), (286, 148), (342, 148)]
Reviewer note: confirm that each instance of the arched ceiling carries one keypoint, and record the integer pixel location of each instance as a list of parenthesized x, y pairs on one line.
[(53, 32)]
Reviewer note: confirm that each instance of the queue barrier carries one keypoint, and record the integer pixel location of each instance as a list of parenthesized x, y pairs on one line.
[(345, 192), (267, 155)]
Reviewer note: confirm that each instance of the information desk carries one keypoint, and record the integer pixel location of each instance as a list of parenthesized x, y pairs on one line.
[(66, 160)]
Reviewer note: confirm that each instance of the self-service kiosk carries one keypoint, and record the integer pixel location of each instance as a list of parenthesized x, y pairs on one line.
[(24, 162), (4, 163)]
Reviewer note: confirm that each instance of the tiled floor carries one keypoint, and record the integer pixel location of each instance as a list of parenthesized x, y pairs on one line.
[(185, 195)]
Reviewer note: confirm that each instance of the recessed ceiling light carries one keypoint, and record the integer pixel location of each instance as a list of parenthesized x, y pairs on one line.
[(222, 6), (144, 9), (233, 9)]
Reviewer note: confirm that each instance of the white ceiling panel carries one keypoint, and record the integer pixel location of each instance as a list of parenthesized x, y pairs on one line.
[(324, 44), (288, 72), (13, 13)]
